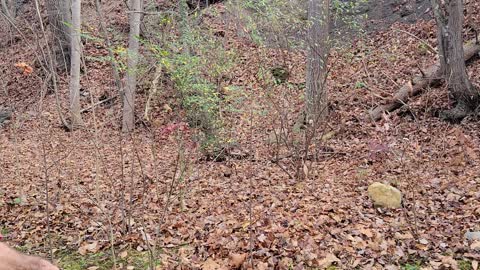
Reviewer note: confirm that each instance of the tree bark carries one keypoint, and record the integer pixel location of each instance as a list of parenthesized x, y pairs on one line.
[(432, 75), (76, 46), (6, 9), (317, 56), (59, 15), (135, 15), (449, 19)]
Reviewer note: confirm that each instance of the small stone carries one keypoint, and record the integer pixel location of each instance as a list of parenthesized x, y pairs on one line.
[(423, 241), (472, 236), (385, 195)]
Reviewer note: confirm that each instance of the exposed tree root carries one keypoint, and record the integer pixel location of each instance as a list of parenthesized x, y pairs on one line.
[(415, 87), (456, 114)]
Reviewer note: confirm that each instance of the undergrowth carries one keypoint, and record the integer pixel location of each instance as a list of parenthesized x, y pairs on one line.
[(133, 259), (197, 63)]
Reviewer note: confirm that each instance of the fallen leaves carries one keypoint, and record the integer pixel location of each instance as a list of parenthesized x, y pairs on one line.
[(475, 246), (293, 224), (237, 260), (92, 247), (211, 264), (328, 261), (26, 69)]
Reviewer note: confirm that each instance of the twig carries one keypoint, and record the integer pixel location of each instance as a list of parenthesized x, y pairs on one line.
[(52, 69), (47, 198), (421, 71), (430, 48), (98, 103), (116, 75)]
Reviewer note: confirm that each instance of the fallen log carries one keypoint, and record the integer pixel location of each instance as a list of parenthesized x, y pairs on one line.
[(415, 86)]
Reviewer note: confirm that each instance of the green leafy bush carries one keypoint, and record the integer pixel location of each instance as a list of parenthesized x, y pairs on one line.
[(196, 62)]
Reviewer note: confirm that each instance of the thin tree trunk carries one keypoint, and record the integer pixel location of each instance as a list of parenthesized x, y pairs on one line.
[(5, 8), (431, 76), (59, 14), (128, 116), (449, 18), (317, 56), (75, 109), (113, 63)]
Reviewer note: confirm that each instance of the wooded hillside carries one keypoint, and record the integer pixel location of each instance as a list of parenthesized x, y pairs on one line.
[(241, 134)]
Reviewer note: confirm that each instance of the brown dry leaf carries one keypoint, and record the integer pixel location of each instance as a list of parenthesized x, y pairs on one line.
[(328, 261), (285, 263), (410, 86), (92, 248), (262, 266), (449, 261), (167, 108), (404, 236), (210, 264), (475, 246), (367, 232), (236, 260), (474, 265), (123, 254), (27, 69)]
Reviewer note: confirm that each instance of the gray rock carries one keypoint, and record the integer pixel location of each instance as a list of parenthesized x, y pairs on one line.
[(472, 236), (5, 114)]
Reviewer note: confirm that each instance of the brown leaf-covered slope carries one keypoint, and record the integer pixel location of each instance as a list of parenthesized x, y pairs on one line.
[(223, 210)]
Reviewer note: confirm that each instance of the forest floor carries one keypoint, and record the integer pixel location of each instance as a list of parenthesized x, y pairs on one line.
[(106, 189)]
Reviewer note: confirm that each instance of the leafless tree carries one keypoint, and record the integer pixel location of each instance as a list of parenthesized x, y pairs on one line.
[(449, 18), (318, 50), (59, 15), (5, 8), (135, 17), (76, 46)]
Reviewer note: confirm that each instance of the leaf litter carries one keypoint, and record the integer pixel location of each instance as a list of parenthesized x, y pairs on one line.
[(248, 212)]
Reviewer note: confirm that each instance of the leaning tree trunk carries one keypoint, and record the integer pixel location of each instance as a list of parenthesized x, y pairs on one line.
[(128, 115), (449, 18), (76, 46), (317, 56), (59, 15)]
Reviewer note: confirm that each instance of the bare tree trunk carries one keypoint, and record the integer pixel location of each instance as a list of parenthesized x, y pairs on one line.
[(59, 15), (128, 116), (76, 46), (6, 8), (113, 63), (317, 56), (449, 18)]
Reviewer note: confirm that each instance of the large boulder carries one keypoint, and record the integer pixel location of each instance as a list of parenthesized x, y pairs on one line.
[(385, 195)]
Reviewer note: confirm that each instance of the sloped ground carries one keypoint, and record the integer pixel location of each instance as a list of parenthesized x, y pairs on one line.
[(241, 206)]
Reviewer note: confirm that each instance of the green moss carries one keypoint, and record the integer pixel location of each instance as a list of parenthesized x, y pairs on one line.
[(3, 231), (408, 266), (465, 265), (72, 260)]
